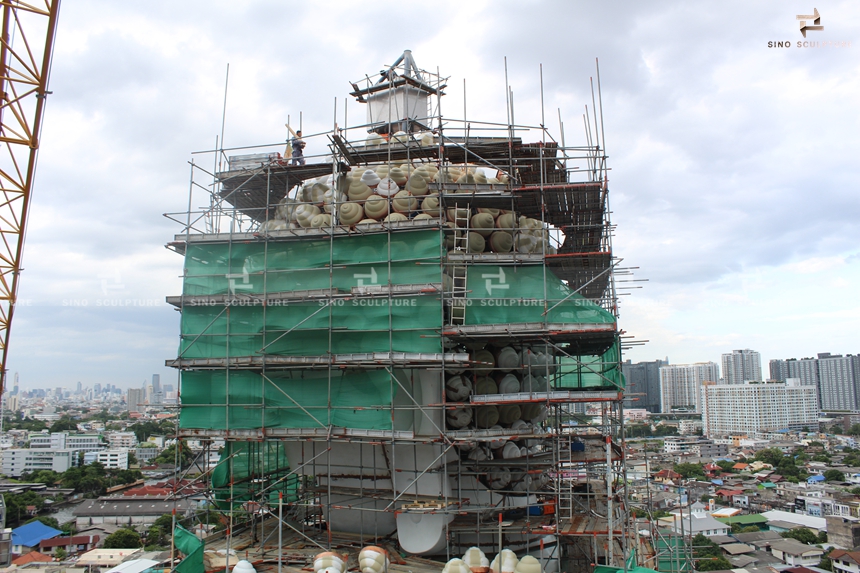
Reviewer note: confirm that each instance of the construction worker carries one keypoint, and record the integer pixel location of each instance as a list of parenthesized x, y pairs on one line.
[(298, 146)]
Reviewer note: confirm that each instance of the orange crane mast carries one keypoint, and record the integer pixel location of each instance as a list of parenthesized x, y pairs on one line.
[(26, 47)]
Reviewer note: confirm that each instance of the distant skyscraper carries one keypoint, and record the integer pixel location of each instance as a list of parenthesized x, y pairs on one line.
[(156, 383), (778, 370), (681, 385), (135, 400), (80, 387), (15, 385), (97, 389), (741, 366), (643, 384), (839, 382)]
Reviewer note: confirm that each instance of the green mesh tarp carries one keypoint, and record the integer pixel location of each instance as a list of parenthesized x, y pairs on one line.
[(259, 470), (500, 294), (192, 548), (358, 325), (249, 400), (343, 262), (402, 324), (591, 372)]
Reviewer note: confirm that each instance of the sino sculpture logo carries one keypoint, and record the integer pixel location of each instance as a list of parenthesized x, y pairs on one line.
[(816, 21)]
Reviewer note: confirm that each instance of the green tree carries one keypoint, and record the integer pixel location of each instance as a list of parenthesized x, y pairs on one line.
[(834, 475), (704, 547), (750, 529), (123, 539), (16, 505), (47, 520), (159, 532), (168, 456), (46, 477), (713, 564), (726, 465), (64, 424), (770, 456), (688, 470), (802, 534), (60, 554), (825, 562)]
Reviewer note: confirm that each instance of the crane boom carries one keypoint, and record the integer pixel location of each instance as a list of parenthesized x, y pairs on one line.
[(26, 47)]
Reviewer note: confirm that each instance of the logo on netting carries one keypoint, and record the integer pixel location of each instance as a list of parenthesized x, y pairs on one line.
[(234, 285), (501, 285), (370, 276)]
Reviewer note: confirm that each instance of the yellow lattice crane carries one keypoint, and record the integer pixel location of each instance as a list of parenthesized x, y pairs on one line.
[(26, 47)]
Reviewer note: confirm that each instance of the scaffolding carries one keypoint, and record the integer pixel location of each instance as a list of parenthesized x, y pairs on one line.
[(397, 338)]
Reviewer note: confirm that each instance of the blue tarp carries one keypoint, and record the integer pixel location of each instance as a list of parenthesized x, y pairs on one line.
[(815, 478), (31, 534)]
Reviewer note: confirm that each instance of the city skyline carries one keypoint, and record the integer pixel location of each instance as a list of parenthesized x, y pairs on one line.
[(710, 151)]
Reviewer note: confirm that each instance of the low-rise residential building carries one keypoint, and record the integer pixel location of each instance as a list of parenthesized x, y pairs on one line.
[(28, 537), (146, 455), (16, 462), (689, 427), (701, 447), (66, 441), (71, 545), (111, 459), (844, 561), (794, 553), (122, 440)]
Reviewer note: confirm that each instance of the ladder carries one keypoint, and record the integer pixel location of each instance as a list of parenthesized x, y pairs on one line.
[(459, 272)]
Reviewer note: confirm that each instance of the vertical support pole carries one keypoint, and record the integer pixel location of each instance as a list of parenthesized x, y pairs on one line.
[(280, 531), (500, 539), (609, 509)]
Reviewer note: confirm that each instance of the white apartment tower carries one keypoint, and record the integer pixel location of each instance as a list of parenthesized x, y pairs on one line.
[(681, 385), (741, 366), (839, 382), (751, 408)]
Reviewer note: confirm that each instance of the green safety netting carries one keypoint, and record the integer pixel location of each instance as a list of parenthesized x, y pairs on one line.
[(342, 262), (192, 547), (241, 399), (591, 372), (500, 294), (258, 470), (402, 324)]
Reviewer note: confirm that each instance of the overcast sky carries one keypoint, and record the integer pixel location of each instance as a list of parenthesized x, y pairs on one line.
[(734, 180)]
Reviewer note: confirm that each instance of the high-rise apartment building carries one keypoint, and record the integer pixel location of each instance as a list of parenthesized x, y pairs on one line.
[(681, 384), (751, 408), (839, 382), (741, 366), (135, 400), (778, 370), (156, 383), (643, 384), (805, 370)]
